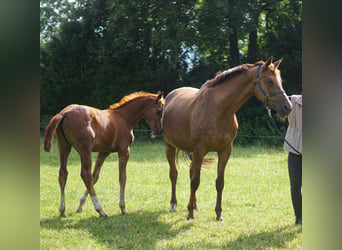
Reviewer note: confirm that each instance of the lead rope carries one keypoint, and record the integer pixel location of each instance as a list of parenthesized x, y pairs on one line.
[(277, 129)]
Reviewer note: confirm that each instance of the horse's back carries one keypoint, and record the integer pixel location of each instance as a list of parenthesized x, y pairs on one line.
[(185, 93), (181, 98)]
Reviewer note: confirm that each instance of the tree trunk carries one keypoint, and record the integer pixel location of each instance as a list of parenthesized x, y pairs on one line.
[(252, 47), (234, 48)]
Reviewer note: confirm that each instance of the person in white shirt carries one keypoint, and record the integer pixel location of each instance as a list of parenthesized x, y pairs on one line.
[(294, 137)]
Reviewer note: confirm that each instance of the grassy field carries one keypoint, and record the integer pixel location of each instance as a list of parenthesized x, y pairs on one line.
[(256, 204)]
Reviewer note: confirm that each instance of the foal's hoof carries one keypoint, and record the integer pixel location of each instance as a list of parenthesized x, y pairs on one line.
[(123, 210), (62, 212), (104, 215)]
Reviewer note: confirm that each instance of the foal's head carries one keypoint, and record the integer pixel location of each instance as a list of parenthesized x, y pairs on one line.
[(268, 87), (153, 113)]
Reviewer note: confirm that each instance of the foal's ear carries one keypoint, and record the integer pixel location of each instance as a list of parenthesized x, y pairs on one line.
[(276, 64), (159, 96), (267, 63)]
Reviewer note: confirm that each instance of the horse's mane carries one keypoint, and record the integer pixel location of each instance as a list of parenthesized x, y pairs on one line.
[(128, 98), (229, 73)]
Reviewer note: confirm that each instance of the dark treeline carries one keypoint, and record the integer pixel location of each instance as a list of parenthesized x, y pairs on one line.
[(94, 52)]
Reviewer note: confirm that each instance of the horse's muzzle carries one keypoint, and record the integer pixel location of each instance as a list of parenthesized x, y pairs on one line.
[(284, 109), (157, 131)]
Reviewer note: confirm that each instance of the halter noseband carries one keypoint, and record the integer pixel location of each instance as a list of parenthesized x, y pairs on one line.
[(267, 96)]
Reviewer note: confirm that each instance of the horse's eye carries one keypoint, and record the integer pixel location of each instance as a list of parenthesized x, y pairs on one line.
[(269, 82)]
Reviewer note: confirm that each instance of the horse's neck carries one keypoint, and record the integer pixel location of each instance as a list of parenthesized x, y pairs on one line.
[(134, 110), (235, 92)]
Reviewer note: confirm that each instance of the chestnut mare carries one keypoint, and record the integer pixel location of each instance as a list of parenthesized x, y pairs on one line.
[(88, 129), (203, 120)]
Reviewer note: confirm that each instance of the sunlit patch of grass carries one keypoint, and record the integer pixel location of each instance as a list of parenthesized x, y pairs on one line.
[(256, 204)]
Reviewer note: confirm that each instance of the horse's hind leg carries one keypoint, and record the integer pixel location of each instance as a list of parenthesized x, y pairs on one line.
[(123, 158), (223, 157), (173, 174), (195, 173), (99, 162), (64, 149), (88, 180)]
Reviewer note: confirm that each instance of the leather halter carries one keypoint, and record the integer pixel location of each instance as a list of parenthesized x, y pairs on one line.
[(267, 96)]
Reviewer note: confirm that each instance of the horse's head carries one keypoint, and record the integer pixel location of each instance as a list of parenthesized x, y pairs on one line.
[(268, 88), (153, 113)]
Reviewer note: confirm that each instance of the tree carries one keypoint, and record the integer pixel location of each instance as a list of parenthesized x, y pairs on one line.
[(52, 14), (96, 51)]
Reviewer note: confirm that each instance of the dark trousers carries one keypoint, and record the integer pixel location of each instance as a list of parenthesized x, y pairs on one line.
[(295, 172)]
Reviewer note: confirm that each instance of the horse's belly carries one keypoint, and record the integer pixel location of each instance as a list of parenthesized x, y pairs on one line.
[(176, 123), (178, 141)]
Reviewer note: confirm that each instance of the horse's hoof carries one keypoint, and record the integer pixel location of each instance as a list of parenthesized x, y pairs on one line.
[(190, 217), (220, 219), (173, 208)]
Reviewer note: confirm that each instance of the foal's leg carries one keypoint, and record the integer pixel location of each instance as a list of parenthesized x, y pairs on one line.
[(123, 158), (64, 149), (88, 181), (173, 173), (223, 157), (99, 162), (195, 173)]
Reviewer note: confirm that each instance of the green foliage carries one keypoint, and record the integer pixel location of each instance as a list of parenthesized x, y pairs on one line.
[(95, 52), (256, 204)]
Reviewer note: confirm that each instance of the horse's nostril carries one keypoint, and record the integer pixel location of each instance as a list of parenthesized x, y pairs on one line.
[(287, 108)]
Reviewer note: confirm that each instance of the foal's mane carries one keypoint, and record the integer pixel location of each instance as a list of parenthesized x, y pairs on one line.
[(128, 98), (229, 73)]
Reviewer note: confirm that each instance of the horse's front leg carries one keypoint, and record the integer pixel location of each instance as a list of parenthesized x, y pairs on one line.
[(123, 158), (223, 157), (173, 173), (195, 173), (99, 162)]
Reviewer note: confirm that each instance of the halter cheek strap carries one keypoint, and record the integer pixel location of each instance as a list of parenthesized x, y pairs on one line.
[(267, 96)]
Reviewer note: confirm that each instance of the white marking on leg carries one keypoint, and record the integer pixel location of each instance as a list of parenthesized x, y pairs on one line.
[(122, 201), (96, 203), (98, 206), (82, 201), (62, 205), (173, 208)]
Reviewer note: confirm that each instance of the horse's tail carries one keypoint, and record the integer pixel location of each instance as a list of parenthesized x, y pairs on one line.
[(206, 160), (50, 129)]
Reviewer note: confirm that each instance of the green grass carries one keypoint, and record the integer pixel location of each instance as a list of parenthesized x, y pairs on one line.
[(256, 204)]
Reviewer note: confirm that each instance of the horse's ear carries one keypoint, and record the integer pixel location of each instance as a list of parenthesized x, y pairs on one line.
[(160, 95), (267, 63), (276, 64)]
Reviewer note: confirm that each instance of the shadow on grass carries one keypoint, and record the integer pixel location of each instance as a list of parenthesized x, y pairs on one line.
[(279, 238), (139, 229)]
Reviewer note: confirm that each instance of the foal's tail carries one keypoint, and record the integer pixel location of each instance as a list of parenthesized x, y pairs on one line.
[(50, 129)]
